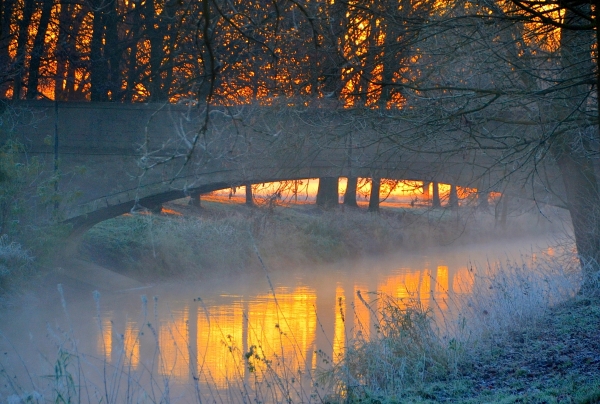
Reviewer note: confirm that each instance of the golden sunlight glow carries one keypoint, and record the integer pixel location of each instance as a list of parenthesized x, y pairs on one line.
[(425, 287), (219, 342), (463, 281), (253, 336), (393, 193), (105, 340), (339, 327), (283, 329), (170, 212), (173, 337), (362, 313), (401, 286), (131, 344), (441, 288)]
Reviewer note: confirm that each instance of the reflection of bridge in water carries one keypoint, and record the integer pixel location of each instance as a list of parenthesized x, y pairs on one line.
[(113, 157)]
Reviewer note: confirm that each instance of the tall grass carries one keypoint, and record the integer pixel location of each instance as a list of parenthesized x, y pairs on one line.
[(16, 263), (414, 345), (192, 245)]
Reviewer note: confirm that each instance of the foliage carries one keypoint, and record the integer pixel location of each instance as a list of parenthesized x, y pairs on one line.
[(28, 217), (15, 262), (407, 351), (19, 187)]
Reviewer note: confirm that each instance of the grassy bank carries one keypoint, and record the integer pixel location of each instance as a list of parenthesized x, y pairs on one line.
[(221, 236), (522, 336)]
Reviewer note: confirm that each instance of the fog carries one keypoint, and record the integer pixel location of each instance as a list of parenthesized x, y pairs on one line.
[(189, 334)]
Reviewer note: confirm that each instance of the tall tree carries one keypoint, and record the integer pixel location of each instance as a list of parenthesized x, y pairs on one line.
[(21, 55), (37, 51)]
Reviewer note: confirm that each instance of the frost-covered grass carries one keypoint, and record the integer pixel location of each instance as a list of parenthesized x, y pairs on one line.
[(424, 354), (220, 236), (15, 263)]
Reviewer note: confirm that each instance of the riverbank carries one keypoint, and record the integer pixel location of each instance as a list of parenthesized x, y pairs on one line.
[(556, 359), (185, 241), (553, 359)]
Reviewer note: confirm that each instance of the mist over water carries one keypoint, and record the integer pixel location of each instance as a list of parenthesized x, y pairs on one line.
[(182, 331)]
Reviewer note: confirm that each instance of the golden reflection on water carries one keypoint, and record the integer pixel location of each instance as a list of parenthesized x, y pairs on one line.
[(441, 288), (173, 339), (339, 333), (105, 337), (283, 331), (219, 340), (362, 313), (463, 280), (239, 336), (131, 344)]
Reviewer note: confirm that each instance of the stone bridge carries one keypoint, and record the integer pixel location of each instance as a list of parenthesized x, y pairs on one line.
[(113, 157)]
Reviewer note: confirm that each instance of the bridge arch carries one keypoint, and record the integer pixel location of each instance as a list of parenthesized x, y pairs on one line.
[(113, 156)]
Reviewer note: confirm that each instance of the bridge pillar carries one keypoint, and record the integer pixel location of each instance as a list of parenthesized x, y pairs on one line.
[(327, 193), (435, 199), (453, 199), (426, 190), (501, 211), (195, 200), (350, 194), (249, 196), (482, 195), (374, 197), (155, 208)]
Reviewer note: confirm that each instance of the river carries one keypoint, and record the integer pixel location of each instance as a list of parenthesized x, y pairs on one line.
[(255, 337)]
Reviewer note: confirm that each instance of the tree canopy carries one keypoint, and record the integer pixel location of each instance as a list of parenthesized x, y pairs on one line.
[(516, 80)]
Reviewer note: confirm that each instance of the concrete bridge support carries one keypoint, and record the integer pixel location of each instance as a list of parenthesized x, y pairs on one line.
[(117, 157), (249, 195), (195, 199), (426, 190), (350, 194), (327, 194), (374, 197), (453, 198), (435, 197)]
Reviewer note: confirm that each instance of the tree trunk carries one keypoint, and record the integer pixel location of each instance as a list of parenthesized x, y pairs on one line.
[(22, 48), (435, 198), (153, 31), (6, 11), (453, 198), (37, 52), (426, 190), (374, 197), (98, 66), (350, 194), (112, 51), (571, 148), (327, 194), (61, 52), (583, 202), (249, 196)]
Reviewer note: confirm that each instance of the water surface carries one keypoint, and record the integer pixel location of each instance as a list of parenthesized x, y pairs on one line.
[(224, 338)]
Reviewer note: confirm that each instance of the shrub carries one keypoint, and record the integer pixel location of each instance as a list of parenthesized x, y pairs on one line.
[(15, 263)]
